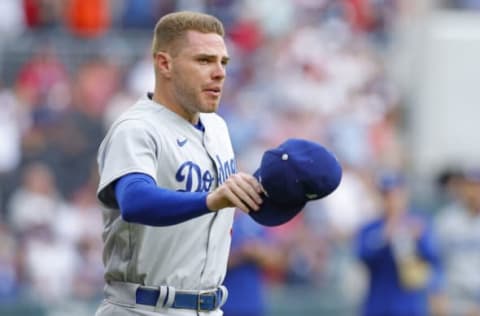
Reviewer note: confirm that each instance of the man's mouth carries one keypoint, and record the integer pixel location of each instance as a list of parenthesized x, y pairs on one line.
[(214, 91)]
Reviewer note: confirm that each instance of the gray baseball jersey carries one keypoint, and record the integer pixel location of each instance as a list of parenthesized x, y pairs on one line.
[(459, 235), (149, 138)]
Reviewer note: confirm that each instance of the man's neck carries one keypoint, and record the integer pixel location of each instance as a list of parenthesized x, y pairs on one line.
[(159, 98)]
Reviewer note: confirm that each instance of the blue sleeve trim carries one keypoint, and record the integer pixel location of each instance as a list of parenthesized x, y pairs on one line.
[(142, 202)]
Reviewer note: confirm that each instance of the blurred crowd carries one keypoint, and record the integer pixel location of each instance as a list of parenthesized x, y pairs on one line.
[(313, 69)]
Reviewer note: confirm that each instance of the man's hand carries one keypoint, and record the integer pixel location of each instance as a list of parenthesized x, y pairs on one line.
[(240, 190)]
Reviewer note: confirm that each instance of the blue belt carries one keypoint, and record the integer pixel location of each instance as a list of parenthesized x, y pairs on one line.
[(200, 301)]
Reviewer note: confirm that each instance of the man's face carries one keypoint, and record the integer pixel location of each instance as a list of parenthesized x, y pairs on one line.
[(198, 72), (395, 201), (471, 194)]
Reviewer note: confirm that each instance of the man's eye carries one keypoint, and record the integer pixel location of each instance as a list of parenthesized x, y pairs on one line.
[(203, 61)]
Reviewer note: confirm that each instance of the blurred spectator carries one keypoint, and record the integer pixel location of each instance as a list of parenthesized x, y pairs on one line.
[(143, 14), (42, 91), (464, 4), (81, 219), (400, 253), (351, 206), (272, 25), (12, 125), (48, 265), (374, 17), (449, 184), (82, 225), (12, 19), (37, 77), (140, 77), (42, 13), (225, 10), (88, 18), (342, 207), (72, 141), (88, 271), (52, 266), (33, 208), (117, 105), (253, 253), (308, 253), (9, 279), (386, 140), (36, 202), (96, 81), (246, 35), (458, 225)]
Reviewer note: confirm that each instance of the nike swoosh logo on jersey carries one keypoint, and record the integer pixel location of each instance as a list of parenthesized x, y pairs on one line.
[(181, 142)]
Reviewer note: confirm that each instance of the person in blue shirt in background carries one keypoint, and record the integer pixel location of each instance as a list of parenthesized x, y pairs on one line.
[(253, 253), (401, 255)]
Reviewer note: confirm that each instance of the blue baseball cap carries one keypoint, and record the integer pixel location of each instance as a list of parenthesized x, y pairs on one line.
[(390, 180), (295, 172)]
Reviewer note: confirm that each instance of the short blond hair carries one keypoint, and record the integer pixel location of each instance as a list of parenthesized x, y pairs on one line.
[(173, 26)]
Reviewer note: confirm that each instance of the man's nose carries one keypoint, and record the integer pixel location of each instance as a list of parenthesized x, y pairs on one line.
[(219, 72)]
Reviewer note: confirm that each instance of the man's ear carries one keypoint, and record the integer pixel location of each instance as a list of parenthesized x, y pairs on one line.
[(163, 63)]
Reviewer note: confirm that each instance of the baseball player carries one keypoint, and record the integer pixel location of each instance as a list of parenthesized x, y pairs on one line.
[(400, 254), (458, 227), (168, 181)]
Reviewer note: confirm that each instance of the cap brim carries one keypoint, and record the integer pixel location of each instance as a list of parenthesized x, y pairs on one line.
[(271, 213)]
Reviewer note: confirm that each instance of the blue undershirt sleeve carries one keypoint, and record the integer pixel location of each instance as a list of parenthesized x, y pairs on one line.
[(142, 202)]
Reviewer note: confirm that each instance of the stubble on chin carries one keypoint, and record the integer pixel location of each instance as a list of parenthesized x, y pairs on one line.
[(213, 107)]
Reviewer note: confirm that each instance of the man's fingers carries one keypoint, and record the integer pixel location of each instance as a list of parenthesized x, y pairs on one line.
[(244, 192), (240, 190), (237, 202), (252, 181), (251, 186)]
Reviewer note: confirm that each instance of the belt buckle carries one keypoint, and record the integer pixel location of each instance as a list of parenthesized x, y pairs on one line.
[(212, 293)]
